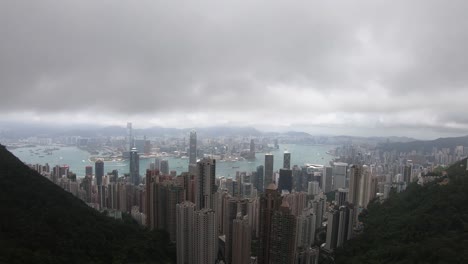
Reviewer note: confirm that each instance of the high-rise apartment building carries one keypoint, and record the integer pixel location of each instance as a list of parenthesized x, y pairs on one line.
[(283, 235), (185, 217), (241, 241), (332, 230), (355, 176), (206, 186), (270, 202), (230, 214), (205, 237), (341, 196), (305, 229)]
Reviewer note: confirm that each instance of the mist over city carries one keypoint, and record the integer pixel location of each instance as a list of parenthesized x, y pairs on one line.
[(235, 132), (362, 68)]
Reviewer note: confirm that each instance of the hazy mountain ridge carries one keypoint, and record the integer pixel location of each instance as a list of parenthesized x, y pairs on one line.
[(425, 145), (18, 131)]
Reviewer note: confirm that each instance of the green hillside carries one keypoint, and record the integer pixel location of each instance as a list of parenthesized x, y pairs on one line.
[(421, 225), (41, 223)]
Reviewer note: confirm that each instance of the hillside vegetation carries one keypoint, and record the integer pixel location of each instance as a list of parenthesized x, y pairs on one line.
[(421, 225), (41, 223)]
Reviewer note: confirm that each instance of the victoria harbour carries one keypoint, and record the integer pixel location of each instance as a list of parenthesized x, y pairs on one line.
[(77, 159)]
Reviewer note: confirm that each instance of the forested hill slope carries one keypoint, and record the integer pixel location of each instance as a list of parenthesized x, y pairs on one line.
[(41, 223), (421, 225)]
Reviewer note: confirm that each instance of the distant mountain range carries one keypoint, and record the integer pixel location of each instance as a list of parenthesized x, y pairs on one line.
[(425, 145), (18, 131)]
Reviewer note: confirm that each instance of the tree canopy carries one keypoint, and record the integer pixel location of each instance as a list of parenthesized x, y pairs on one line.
[(424, 224), (42, 223)]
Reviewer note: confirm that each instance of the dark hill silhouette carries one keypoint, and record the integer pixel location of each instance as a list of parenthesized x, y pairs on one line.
[(41, 223), (424, 224)]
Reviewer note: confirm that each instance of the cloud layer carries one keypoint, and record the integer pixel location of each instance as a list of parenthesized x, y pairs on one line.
[(331, 64)]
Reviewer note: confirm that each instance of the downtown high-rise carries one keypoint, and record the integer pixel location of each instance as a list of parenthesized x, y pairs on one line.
[(268, 178)]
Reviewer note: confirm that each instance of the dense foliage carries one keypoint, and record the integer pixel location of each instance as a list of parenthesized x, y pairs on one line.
[(41, 223), (426, 224)]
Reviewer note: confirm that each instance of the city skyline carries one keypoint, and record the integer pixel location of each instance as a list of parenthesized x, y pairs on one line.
[(370, 68)]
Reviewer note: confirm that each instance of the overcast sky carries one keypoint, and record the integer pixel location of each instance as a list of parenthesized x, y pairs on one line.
[(338, 67)]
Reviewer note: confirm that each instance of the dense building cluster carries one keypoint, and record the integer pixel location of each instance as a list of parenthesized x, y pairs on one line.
[(262, 216)]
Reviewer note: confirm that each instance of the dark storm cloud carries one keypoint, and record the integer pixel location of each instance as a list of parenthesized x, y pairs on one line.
[(339, 62)]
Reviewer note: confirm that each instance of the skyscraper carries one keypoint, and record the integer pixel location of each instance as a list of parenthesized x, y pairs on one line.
[(129, 138), (341, 196), (287, 160), (157, 163), (241, 241), (285, 181), (313, 188), (283, 235), (174, 195), (354, 184), (339, 175), (259, 178), (99, 169), (164, 167), (332, 230), (193, 147), (345, 226), (230, 214), (252, 149), (150, 210), (206, 186), (305, 229), (89, 170), (327, 179), (268, 178), (185, 216), (205, 237), (270, 201), (134, 167)]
